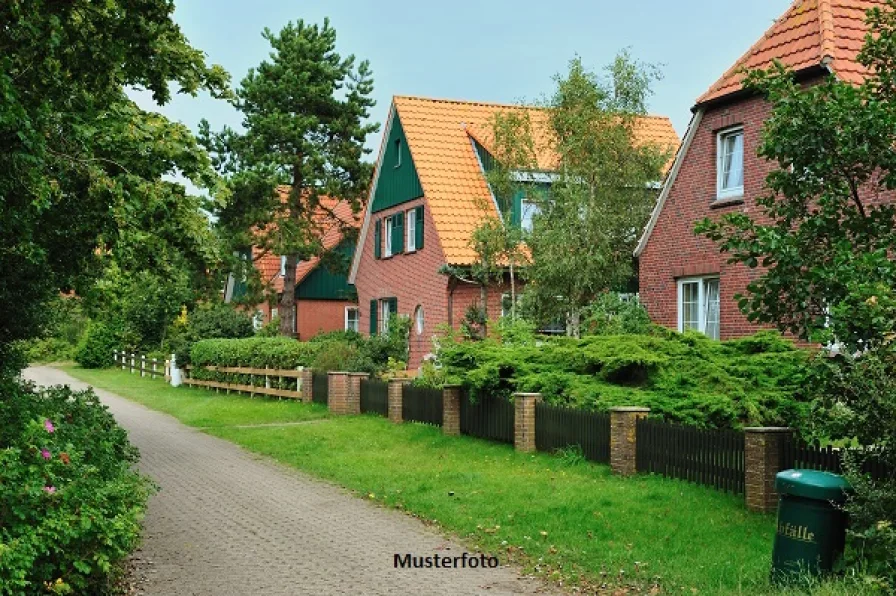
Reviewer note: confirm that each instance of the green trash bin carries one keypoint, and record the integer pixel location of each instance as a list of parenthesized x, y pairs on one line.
[(811, 525)]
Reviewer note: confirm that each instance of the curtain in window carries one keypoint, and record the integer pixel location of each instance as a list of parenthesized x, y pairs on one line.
[(733, 166), (711, 308)]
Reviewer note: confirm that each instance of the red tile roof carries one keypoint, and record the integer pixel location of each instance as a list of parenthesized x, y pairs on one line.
[(810, 33), (332, 218)]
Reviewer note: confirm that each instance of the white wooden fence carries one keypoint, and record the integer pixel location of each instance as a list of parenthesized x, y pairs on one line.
[(147, 367)]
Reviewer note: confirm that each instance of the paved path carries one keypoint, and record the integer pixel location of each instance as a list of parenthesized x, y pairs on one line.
[(227, 522)]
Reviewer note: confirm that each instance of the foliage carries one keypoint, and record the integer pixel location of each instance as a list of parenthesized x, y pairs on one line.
[(337, 355), (97, 346), (584, 233), (270, 329), (823, 241), (70, 504), (209, 321), (610, 314), (81, 166), (303, 115), (683, 378)]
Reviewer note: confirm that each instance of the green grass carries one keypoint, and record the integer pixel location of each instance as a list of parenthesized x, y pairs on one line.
[(576, 522), (198, 407)]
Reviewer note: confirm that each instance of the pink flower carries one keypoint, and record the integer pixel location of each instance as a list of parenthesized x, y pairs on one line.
[(49, 425), (50, 489), (45, 454)]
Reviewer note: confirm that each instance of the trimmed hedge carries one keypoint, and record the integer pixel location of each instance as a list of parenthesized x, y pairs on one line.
[(253, 352)]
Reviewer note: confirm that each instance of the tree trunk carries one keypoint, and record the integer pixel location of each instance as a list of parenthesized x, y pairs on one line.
[(287, 307), (573, 323)]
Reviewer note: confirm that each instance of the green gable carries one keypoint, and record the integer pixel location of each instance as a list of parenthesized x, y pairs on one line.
[(324, 284), (398, 181)]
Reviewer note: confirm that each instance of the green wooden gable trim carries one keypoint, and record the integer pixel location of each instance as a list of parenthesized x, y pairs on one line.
[(398, 181), (324, 284)]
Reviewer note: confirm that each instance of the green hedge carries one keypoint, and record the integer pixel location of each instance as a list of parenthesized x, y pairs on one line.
[(252, 352), (70, 501)]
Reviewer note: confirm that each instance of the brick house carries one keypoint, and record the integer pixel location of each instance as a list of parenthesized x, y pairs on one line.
[(429, 194), (685, 283), (325, 301)]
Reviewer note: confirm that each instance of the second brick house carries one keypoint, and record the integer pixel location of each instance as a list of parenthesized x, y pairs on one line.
[(685, 283), (428, 195)]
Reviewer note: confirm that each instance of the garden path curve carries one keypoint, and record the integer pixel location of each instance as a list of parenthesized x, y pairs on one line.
[(227, 522)]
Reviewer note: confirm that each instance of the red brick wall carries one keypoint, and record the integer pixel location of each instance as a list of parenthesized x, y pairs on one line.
[(673, 251), (412, 278), (466, 294), (320, 316)]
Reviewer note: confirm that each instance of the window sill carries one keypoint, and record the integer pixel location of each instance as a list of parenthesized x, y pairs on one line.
[(719, 203)]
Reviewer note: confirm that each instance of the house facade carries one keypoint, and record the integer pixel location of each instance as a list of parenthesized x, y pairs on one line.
[(324, 300), (428, 195), (685, 282)]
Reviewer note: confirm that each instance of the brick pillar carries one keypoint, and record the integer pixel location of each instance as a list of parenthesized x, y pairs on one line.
[(451, 396), (396, 397), (307, 384), (337, 392), (762, 461), (524, 421), (623, 438), (354, 391)]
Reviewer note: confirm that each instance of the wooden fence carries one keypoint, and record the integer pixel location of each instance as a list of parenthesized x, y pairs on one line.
[(711, 457), (242, 379), (489, 418), (374, 397), (134, 362), (797, 454), (559, 428), (419, 404)]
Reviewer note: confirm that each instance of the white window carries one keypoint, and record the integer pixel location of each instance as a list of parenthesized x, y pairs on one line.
[(258, 320), (418, 319), (529, 210), (274, 313), (411, 227), (351, 319), (698, 305), (388, 248), (730, 163), (384, 320)]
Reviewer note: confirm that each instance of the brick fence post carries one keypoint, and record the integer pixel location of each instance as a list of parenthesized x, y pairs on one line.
[(307, 376), (451, 396), (762, 461), (623, 438), (337, 392), (353, 403), (396, 399), (524, 421)]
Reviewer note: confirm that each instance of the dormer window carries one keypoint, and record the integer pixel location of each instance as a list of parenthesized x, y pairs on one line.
[(730, 163), (397, 153)]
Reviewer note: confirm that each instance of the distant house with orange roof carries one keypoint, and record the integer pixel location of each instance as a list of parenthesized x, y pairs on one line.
[(428, 195), (325, 301), (685, 283)]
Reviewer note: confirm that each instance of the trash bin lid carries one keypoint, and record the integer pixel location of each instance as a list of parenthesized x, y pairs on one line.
[(812, 484)]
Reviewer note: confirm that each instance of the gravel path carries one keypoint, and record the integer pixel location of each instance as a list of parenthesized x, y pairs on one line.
[(229, 522)]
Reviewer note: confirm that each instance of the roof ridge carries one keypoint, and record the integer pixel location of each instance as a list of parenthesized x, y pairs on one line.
[(826, 25)]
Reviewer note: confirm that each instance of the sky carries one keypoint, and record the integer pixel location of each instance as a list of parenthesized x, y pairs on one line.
[(490, 50)]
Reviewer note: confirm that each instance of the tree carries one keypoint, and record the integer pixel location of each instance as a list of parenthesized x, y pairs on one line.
[(582, 240), (304, 115), (79, 161), (823, 245)]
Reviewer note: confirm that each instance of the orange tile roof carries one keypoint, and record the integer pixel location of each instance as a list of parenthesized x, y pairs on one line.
[(439, 136), (811, 33), (331, 219)]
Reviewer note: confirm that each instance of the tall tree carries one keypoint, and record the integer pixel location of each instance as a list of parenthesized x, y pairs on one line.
[(305, 118), (605, 187), (78, 160), (823, 244)]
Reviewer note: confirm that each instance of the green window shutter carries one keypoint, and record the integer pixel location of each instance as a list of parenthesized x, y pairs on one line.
[(393, 306), (373, 321), (377, 239), (398, 234), (418, 227), (516, 208)]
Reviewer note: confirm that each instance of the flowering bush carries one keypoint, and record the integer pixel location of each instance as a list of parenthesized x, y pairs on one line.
[(70, 505)]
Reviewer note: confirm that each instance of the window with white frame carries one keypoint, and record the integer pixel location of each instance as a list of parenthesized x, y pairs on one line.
[(730, 163), (258, 320), (386, 311), (274, 313), (418, 319), (698, 305), (387, 250), (528, 210), (352, 319), (411, 227)]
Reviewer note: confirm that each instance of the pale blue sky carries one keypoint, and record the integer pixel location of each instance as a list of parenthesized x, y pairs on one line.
[(499, 50)]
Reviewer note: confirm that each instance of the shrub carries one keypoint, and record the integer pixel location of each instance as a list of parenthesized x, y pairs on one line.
[(95, 349), (220, 321), (254, 352), (611, 314), (70, 504)]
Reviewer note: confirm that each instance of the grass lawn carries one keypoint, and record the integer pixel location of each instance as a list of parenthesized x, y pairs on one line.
[(566, 520)]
